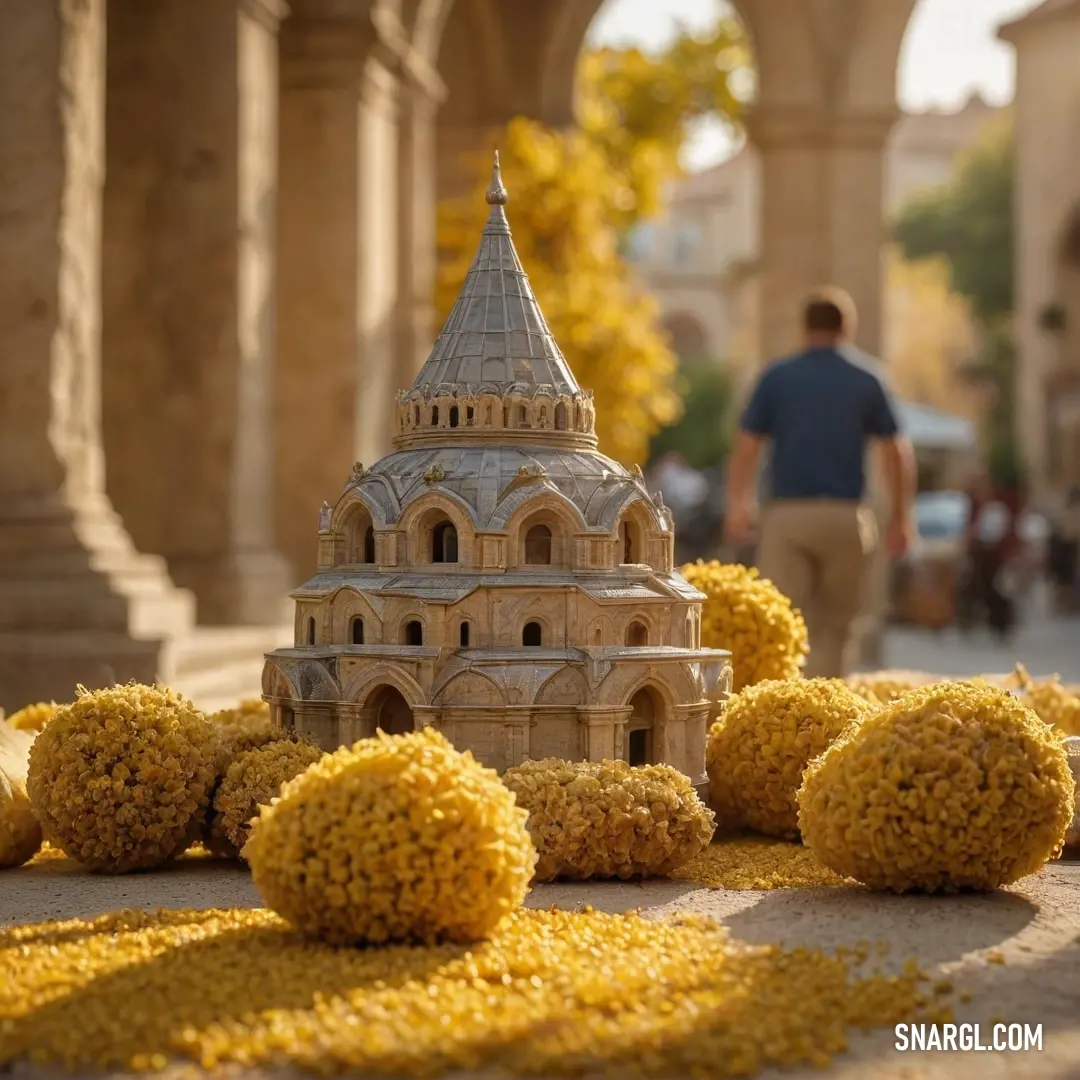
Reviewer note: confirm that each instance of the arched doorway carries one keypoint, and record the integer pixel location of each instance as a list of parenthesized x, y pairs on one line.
[(642, 727), (688, 338), (390, 711)]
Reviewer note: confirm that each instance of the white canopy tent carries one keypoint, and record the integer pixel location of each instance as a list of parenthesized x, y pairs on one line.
[(932, 429)]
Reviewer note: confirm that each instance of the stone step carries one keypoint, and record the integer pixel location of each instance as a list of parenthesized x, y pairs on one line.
[(216, 667)]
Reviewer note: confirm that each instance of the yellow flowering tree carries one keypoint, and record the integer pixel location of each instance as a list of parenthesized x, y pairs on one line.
[(930, 335), (638, 107), (573, 194)]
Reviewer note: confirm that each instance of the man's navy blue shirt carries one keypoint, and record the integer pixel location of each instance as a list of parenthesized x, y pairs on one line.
[(819, 408)]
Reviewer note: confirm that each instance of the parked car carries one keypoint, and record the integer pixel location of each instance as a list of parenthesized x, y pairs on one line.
[(941, 521)]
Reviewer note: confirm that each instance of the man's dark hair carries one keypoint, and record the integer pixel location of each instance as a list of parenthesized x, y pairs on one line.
[(828, 311)]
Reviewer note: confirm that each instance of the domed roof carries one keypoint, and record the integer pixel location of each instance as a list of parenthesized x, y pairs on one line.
[(489, 482), (496, 335)]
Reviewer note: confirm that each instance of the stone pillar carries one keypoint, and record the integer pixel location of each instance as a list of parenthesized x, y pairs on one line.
[(189, 329), (463, 154), (685, 739), (340, 279), (822, 223), (417, 212), (77, 602), (821, 217), (605, 731)]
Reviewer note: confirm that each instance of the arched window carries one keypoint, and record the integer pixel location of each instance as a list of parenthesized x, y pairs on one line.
[(523, 416), (506, 416), (463, 635), (598, 636), (630, 543), (359, 535), (416, 415), (637, 634), (358, 631), (543, 416), (487, 416), (560, 417), (469, 415), (444, 543), (413, 633), (532, 636), (434, 415), (311, 631), (690, 630), (538, 546), (454, 416)]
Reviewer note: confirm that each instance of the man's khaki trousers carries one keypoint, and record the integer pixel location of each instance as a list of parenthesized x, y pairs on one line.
[(817, 552)]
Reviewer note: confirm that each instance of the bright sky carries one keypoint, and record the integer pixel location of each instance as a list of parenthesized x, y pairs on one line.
[(950, 51)]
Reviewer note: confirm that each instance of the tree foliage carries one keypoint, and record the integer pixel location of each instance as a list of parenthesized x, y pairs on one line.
[(638, 109), (702, 435), (573, 194), (930, 335), (969, 221)]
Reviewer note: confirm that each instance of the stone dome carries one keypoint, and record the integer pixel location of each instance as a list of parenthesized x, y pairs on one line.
[(490, 482)]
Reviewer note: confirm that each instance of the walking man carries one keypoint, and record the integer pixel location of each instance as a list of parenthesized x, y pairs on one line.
[(818, 411)]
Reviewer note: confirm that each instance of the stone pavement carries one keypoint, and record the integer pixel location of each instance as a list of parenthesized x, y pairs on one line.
[(1045, 645), (1016, 951)]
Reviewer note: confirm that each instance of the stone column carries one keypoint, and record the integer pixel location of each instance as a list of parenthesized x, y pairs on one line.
[(821, 216), (822, 222), (340, 278), (605, 731), (77, 602), (189, 326), (463, 156), (417, 212)]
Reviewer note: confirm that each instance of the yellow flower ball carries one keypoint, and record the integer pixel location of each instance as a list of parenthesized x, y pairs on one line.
[(1072, 749), (1054, 703), (244, 727), (33, 717), (254, 778), (950, 787), (396, 838), (880, 688), (609, 820), (20, 833), (121, 778), (747, 615), (757, 751)]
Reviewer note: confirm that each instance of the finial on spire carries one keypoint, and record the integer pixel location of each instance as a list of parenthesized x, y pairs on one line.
[(496, 193)]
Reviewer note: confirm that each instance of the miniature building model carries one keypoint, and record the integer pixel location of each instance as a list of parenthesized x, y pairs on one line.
[(495, 576)]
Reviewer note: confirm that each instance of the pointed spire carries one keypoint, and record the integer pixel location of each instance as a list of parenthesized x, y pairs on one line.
[(496, 194), (496, 334)]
